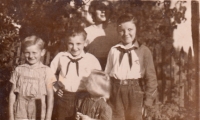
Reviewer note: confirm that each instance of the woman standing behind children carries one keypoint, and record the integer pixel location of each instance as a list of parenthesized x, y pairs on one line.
[(72, 66), (94, 106), (102, 35), (131, 68), (31, 83)]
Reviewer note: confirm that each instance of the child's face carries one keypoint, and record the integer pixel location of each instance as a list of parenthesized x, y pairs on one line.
[(127, 32), (102, 12), (33, 54), (76, 45)]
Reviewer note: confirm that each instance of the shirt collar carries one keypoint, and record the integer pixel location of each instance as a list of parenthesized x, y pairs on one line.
[(79, 56), (38, 65), (135, 44), (96, 99)]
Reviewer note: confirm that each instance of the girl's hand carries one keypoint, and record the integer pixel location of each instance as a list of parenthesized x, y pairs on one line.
[(80, 116), (59, 92)]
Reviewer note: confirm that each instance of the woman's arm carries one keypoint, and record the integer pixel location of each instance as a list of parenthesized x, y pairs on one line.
[(12, 98)]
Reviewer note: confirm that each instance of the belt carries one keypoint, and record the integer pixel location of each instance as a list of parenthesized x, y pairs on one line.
[(125, 82), (30, 98)]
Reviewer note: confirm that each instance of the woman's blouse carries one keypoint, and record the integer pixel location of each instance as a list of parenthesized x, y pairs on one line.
[(99, 41)]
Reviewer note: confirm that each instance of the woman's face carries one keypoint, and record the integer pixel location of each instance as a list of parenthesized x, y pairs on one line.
[(102, 12)]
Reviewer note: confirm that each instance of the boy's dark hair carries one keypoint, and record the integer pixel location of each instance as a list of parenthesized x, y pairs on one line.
[(125, 18), (73, 28), (74, 31), (98, 4)]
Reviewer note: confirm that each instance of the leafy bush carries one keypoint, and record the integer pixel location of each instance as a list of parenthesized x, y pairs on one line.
[(8, 43)]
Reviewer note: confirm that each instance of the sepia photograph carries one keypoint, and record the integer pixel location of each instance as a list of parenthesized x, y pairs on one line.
[(99, 60)]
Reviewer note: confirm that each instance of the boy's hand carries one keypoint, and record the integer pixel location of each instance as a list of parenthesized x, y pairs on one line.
[(82, 117), (47, 118), (59, 92), (78, 116), (147, 111)]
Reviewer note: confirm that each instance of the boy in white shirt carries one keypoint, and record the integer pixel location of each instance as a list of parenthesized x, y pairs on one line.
[(72, 66), (129, 65)]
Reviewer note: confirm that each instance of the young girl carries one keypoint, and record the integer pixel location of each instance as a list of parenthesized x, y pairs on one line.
[(94, 106), (31, 83), (102, 35), (131, 68)]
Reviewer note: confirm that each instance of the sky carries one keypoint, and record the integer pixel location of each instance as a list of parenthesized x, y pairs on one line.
[(183, 33)]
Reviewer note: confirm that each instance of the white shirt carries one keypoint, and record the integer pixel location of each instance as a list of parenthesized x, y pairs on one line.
[(142, 63), (122, 70), (71, 80)]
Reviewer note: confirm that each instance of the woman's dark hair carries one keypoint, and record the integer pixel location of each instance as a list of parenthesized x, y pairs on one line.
[(99, 5)]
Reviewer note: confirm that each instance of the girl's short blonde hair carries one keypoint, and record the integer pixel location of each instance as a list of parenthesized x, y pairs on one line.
[(101, 82), (32, 40)]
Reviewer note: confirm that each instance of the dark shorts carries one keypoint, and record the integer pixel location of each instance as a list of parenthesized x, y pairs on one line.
[(126, 100), (66, 106)]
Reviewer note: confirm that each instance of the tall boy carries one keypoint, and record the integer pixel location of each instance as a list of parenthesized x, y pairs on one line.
[(72, 66), (130, 66)]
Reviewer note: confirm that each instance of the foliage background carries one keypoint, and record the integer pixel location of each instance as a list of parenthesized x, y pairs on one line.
[(48, 18)]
